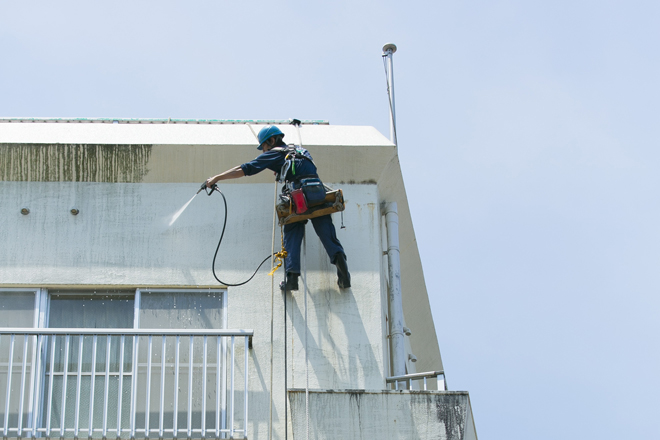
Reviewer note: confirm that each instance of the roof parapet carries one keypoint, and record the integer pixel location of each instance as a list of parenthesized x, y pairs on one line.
[(159, 121)]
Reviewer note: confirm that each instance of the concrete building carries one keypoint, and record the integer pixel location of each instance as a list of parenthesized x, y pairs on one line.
[(114, 326)]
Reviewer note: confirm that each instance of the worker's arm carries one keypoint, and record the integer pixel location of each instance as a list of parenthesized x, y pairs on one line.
[(233, 173), (265, 160)]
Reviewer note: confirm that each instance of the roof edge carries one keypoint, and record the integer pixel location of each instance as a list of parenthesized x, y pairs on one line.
[(158, 121)]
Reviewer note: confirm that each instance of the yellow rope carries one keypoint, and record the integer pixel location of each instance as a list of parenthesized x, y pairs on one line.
[(279, 257)]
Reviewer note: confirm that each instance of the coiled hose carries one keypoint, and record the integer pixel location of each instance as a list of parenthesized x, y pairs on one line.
[(224, 226)]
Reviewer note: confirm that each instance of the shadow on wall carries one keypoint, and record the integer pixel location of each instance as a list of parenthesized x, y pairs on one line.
[(340, 353)]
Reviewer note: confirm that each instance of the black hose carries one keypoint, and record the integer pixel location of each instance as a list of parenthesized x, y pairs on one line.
[(224, 225)]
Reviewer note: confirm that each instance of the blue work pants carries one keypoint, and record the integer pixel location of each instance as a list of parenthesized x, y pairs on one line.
[(293, 235)]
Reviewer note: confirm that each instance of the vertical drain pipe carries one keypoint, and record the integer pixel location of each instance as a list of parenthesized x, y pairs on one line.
[(397, 342), (395, 302)]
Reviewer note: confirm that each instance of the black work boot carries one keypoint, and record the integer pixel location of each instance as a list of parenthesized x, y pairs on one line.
[(343, 276), (291, 282)]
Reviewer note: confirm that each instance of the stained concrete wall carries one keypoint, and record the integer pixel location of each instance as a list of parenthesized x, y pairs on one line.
[(178, 153), (386, 415), (120, 238)]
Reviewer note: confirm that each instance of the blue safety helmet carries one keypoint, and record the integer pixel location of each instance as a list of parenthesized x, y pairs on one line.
[(266, 133)]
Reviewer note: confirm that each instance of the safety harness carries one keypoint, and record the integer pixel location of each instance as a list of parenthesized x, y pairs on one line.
[(291, 153)]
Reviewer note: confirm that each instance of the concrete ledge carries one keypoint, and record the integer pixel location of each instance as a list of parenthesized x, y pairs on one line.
[(360, 414)]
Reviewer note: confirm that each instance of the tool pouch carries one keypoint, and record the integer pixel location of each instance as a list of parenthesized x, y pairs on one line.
[(299, 202), (314, 191)]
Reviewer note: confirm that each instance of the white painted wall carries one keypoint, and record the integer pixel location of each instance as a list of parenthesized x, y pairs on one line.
[(121, 238)]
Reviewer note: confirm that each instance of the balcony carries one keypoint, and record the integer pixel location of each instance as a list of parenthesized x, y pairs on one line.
[(123, 383)]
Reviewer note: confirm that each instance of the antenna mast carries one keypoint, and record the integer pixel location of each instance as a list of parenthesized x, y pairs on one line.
[(388, 51)]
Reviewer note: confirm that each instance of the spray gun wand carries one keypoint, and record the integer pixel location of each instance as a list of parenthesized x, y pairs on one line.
[(209, 190)]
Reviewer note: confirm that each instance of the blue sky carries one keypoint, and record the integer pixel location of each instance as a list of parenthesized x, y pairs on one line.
[(532, 124)]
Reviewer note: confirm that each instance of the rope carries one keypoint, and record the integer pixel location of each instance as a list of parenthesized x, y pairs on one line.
[(304, 264), (253, 132), (272, 318), (286, 369)]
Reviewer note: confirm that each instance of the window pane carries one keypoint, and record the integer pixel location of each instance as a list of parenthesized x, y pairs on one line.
[(190, 310), (91, 311), (16, 309)]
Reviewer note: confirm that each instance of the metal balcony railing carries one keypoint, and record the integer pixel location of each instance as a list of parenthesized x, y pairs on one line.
[(123, 383), (407, 379)]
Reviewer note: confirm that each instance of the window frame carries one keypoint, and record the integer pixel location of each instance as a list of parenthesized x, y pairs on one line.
[(42, 298)]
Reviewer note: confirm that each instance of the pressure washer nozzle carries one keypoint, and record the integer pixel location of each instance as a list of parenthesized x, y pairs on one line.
[(206, 188)]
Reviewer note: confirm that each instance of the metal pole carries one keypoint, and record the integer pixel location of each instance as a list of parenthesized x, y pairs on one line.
[(147, 409), (388, 51), (134, 372), (76, 426), (231, 392), (50, 387), (245, 386), (175, 422), (204, 371), (121, 384), (190, 385), (9, 373), (33, 382), (22, 395), (106, 389), (64, 380), (92, 383), (37, 380), (218, 408), (161, 409)]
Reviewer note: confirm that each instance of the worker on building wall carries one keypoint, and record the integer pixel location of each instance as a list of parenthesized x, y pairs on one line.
[(273, 157)]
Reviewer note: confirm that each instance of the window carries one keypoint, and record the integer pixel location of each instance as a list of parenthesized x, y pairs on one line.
[(89, 378)]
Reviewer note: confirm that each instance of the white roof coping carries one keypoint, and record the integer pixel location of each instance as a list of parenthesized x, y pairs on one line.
[(156, 121), (162, 133)]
